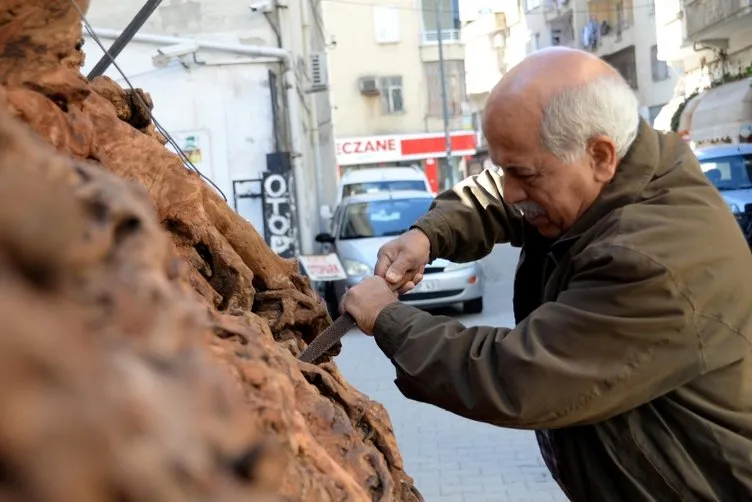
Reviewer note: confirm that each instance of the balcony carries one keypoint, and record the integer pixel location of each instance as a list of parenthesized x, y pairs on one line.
[(715, 18), (447, 37)]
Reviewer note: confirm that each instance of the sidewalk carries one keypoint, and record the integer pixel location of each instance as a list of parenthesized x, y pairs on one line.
[(451, 458)]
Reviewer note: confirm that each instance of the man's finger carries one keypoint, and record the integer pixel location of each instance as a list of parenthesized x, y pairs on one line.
[(406, 287), (397, 271), (382, 263)]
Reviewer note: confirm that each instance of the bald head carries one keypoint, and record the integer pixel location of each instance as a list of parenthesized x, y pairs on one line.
[(549, 70), (563, 95)]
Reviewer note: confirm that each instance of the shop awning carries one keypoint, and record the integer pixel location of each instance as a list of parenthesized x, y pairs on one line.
[(662, 121), (722, 112)]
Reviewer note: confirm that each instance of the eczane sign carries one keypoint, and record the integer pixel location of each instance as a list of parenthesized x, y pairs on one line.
[(402, 147), (369, 149)]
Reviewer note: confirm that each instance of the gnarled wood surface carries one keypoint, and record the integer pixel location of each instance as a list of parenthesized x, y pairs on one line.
[(149, 334)]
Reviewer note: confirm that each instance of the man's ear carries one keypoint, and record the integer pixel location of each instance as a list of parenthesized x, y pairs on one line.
[(602, 151)]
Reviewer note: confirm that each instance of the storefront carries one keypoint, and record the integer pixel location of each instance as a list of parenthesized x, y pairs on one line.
[(425, 150)]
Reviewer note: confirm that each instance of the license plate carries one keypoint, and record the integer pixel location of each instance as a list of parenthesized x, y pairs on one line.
[(425, 286)]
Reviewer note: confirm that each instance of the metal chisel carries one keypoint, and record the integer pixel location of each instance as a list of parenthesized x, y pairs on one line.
[(331, 335), (327, 338)]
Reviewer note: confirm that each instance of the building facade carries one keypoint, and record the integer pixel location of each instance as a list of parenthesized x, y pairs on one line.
[(242, 91), (385, 82), (710, 43), (498, 34)]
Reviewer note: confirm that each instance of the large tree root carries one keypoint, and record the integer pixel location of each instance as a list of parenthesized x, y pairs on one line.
[(132, 303)]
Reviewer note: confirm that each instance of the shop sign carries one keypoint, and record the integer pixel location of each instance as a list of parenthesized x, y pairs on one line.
[(392, 148), (279, 224)]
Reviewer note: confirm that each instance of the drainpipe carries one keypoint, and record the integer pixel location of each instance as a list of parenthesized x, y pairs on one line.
[(293, 106), (306, 223), (314, 113)]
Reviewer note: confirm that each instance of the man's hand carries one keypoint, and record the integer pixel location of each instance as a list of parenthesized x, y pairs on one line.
[(366, 300), (401, 261)]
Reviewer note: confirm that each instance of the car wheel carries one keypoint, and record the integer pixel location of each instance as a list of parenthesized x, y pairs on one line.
[(474, 306)]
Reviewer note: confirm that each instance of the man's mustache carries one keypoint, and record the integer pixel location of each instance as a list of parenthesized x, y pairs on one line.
[(529, 208)]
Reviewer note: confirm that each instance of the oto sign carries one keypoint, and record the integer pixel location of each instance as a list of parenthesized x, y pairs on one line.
[(279, 222)]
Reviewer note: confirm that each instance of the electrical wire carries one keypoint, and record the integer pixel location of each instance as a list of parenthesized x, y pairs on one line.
[(159, 127)]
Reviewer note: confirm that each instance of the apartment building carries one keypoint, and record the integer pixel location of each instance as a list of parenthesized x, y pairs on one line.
[(622, 32), (710, 42), (385, 83)]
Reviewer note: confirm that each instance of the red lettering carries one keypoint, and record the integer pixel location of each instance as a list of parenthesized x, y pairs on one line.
[(355, 147)]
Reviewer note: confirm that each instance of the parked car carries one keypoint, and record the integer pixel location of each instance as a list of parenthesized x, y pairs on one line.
[(367, 221), (729, 168), (379, 179)]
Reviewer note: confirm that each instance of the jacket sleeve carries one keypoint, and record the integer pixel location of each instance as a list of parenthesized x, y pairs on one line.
[(620, 335), (467, 220)]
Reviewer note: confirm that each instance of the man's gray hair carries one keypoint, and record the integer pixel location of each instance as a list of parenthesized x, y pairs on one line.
[(604, 106)]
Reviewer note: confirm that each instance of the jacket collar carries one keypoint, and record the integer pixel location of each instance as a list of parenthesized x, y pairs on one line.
[(633, 175)]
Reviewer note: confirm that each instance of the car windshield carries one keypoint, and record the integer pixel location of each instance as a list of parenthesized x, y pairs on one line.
[(381, 218), (382, 186), (729, 173)]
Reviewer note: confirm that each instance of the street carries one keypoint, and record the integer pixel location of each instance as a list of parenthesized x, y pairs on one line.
[(454, 459)]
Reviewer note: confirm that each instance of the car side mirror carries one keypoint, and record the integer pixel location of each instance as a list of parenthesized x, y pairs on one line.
[(324, 238)]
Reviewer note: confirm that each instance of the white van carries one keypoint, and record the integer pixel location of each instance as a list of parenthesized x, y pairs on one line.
[(379, 179)]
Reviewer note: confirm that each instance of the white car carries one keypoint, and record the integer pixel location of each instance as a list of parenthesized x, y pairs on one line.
[(366, 222), (379, 179)]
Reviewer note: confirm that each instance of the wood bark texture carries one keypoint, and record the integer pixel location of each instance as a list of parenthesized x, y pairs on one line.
[(149, 336)]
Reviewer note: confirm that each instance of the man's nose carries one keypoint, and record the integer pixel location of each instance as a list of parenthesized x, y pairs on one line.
[(512, 191)]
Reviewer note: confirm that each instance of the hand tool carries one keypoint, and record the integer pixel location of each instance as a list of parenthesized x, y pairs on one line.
[(331, 336), (327, 338)]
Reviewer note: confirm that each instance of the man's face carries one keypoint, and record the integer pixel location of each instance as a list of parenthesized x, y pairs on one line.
[(551, 193)]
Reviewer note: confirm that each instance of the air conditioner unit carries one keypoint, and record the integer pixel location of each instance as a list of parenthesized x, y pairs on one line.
[(318, 70), (368, 86)]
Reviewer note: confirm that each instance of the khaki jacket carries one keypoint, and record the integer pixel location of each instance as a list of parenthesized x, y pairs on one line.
[(631, 354)]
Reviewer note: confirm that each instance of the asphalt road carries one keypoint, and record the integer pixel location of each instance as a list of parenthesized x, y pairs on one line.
[(454, 459)]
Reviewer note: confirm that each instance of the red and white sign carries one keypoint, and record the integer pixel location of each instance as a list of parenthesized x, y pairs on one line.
[(323, 267), (392, 148)]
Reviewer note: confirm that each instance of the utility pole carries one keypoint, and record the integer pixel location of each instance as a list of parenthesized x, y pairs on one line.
[(449, 178)]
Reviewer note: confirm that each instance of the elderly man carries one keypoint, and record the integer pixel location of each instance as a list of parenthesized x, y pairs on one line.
[(631, 354)]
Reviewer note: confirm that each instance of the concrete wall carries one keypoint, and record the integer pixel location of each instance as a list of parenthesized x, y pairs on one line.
[(225, 99)]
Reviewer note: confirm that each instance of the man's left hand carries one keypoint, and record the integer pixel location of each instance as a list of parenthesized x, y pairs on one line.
[(366, 300)]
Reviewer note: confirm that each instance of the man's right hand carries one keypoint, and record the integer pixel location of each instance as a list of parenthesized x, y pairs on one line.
[(401, 261)]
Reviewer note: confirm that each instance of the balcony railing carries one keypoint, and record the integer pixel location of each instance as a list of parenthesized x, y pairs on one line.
[(703, 14), (447, 36)]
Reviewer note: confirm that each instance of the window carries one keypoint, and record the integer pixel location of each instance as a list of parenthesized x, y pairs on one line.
[(659, 68), (729, 173), (391, 95), (454, 72), (556, 37), (382, 218), (534, 43), (532, 4), (386, 24)]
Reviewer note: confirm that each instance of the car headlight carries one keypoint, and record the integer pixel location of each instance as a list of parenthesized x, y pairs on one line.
[(458, 266), (356, 268), (734, 208)]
